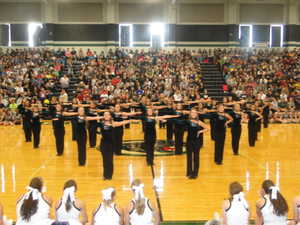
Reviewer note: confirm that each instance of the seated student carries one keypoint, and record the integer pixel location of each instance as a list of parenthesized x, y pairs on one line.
[(236, 208), (272, 208), (107, 213), (69, 208), (140, 211), (33, 208)]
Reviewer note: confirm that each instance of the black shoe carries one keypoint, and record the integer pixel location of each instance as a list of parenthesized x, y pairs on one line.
[(59, 154), (36, 147), (235, 153), (219, 163), (178, 153)]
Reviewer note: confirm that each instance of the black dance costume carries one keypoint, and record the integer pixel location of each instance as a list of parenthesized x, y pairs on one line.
[(194, 143), (252, 128), (36, 129), (219, 135), (106, 147), (92, 128), (118, 134), (26, 122), (81, 139), (266, 113), (59, 131), (179, 128), (149, 138), (236, 130)]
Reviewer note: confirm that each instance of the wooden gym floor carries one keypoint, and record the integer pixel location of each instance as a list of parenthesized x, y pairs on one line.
[(277, 155)]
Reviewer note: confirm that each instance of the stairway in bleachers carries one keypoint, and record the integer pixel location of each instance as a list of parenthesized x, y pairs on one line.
[(213, 81)]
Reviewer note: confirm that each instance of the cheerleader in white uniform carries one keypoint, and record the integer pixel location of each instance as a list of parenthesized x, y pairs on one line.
[(296, 210), (272, 208), (140, 211), (236, 208), (107, 213), (33, 207), (68, 208)]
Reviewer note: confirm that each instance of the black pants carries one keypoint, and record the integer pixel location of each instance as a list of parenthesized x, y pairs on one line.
[(27, 131), (162, 124), (149, 147), (59, 134), (74, 128), (266, 121), (81, 147), (235, 141), (92, 128), (258, 124), (212, 129), (118, 140), (252, 135), (179, 132), (219, 146), (36, 131), (170, 132), (192, 157), (108, 159)]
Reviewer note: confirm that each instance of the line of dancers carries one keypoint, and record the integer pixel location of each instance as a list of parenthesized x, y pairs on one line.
[(88, 117)]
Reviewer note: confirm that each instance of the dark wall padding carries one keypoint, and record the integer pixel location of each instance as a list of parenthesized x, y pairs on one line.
[(196, 33), (141, 32), (85, 32), (292, 32), (261, 33), (19, 32), (3, 35)]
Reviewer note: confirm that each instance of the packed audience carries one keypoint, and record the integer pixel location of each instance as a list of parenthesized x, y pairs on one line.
[(264, 74), (127, 75)]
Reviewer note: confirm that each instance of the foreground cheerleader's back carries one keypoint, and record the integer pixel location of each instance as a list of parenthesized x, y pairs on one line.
[(69, 209), (33, 208), (107, 213), (141, 212), (236, 208), (272, 208)]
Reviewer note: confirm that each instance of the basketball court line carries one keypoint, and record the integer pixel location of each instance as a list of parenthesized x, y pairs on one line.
[(157, 195)]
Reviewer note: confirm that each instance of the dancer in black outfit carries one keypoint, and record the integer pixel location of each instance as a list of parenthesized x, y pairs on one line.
[(92, 125), (36, 126), (266, 114), (179, 128), (194, 143), (221, 120), (212, 108), (81, 134), (106, 145), (24, 110), (170, 123), (253, 116), (149, 122), (236, 127), (58, 126), (74, 108), (119, 116)]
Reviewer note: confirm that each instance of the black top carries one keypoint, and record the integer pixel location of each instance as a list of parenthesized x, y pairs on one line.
[(106, 131), (81, 125), (252, 118), (57, 120), (193, 129), (149, 127), (220, 121), (35, 119), (237, 119), (181, 120)]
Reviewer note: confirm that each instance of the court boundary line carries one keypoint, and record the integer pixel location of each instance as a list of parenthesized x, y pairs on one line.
[(157, 196)]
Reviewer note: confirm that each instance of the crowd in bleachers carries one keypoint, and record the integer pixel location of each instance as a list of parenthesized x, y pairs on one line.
[(127, 75), (264, 74)]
